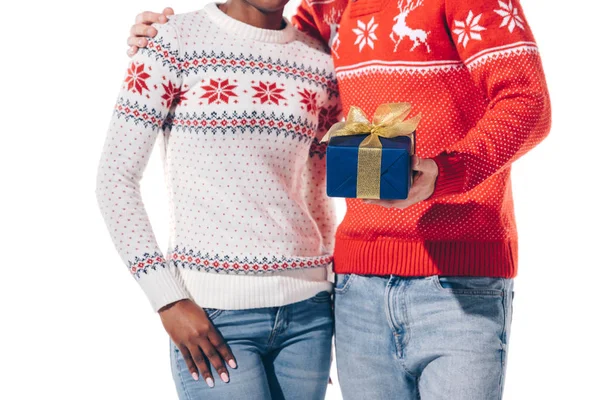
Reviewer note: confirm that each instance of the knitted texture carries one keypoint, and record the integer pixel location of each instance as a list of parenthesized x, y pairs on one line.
[(241, 111), (472, 68)]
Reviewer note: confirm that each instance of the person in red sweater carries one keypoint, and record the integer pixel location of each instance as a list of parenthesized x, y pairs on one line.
[(424, 286)]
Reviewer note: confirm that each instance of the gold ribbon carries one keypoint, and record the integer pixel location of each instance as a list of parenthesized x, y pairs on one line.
[(388, 122)]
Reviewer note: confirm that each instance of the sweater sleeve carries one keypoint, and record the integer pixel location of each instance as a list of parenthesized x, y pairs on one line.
[(309, 21), (495, 43), (321, 207), (152, 84)]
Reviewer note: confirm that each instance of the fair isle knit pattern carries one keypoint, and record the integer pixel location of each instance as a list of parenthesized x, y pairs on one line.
[(473, 70), (241, 111)]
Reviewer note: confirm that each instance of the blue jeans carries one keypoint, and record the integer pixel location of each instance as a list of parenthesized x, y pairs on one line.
[(431, 338), (281, 352)]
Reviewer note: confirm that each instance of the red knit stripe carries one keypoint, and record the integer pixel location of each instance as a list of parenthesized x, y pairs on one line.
[(459, 258)]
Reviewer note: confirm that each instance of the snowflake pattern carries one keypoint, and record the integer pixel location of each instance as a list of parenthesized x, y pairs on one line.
[(328, 116), (469, 29), (510, 16), (365, 34), (173, 95), (268, 93), (136, 78), (219, 91), (309, 98)]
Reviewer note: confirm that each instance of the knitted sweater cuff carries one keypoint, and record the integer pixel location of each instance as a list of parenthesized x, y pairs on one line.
[(451, 175), (162, 286)]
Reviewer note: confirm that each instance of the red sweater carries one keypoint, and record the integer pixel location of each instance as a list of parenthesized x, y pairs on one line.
[(472, 68)]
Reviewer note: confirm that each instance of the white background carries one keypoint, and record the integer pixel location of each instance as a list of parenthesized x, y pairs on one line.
[(76, 326)]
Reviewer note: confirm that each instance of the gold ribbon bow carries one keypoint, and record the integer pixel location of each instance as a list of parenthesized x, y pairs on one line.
[(388, 122)]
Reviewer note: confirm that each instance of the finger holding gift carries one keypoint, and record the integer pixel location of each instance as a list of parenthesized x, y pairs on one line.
[(424, 165), (422, 187)]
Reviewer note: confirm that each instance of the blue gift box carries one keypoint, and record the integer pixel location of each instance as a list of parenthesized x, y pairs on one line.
[(342, 166)]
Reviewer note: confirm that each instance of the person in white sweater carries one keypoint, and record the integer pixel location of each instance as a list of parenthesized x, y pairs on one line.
[(241, 100)]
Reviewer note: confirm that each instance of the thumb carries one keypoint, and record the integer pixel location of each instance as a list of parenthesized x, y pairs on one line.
[(415, 161), (168, 11), (425, 165)]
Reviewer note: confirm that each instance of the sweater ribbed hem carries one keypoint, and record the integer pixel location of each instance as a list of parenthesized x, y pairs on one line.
[(162, 286), (451, 175), (241, 292), (449, 258)]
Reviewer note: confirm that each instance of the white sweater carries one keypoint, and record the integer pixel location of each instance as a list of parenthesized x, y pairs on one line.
[(242, 110)]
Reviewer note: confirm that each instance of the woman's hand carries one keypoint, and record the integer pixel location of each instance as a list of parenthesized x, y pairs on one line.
[(422, 187), (197, 339), (142, 29)]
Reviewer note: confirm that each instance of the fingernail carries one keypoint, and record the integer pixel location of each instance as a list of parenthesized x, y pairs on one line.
[(141, 42), (130, 51), (195, 376), (224, 377), (232, 364), (210, 382)]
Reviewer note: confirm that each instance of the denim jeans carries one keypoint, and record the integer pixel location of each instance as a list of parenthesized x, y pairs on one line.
[(281, 352), (429, 338)]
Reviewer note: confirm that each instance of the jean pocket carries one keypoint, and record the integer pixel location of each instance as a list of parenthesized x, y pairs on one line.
[(321, 297), (343, 282), (466, 285), (212, 313)]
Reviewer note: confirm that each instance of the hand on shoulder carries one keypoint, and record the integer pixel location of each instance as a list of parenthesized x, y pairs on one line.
[(142, 29)]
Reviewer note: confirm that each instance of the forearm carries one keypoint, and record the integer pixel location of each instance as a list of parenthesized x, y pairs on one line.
[(123, 159), (517, 119), (504, 62)]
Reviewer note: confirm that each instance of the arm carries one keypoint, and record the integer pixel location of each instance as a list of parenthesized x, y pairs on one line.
[(321, 207), (506, 65), (149, 92), (307, 20), (136, 122), (504, 62), (304, 20)]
